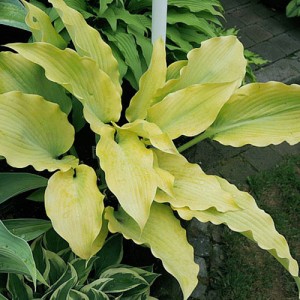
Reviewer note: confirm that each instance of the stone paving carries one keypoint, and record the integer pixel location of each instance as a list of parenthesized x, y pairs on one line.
[(276, 38)]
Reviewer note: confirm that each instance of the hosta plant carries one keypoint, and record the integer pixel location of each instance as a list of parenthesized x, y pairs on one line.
[(62, 275), (142, 178), (126, 27)]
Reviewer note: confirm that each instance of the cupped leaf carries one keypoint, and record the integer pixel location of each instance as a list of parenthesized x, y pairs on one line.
[(34, 132), (129, 173), (20, 74), (27, 229), (88, 41), (74, 205), (166, 239), (15, 255), (150, 131), (191, 110), (153, 79), (218, 60), (81, 77), (13, 183), (259, 114), (192, 188), (250, 221), (40, 25)]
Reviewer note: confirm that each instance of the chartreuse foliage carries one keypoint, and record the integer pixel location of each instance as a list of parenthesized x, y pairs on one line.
[(200, 97)]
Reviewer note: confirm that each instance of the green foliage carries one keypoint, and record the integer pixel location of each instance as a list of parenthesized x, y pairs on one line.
[(293, 9), (68, 277), (143, 177)]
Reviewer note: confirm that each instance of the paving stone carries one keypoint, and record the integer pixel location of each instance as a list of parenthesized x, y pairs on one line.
[(232, 21), (268, 51), (285, 43), (263, 11), (196, 228), (262, 158), (286, 149), (236, 170), (284, 70), (202, 246), (273, 26), (257, 33), (247, 14)]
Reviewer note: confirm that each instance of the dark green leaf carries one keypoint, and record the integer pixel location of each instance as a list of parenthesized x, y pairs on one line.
[(18, 288), (15, 254), (37, 196), (27, 229), (110, 254), (12, 184)]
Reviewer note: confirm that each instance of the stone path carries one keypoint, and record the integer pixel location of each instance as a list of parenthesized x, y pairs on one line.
[(276, 38)]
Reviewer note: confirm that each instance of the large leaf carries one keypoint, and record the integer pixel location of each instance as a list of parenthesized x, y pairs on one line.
[(153, 79), (191, 110), (218, 60), (19, 74), (12, 13), (12, 184), (15, 255), (74, 205), (27, 229), (192, 188), (41, 27), (80, 76), (166, 239), (259, 114), (252, 222), (34, 132), (18, 288), (88, 41), (129, 173)]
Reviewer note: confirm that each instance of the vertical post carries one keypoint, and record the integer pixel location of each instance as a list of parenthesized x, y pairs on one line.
[(159, 19)]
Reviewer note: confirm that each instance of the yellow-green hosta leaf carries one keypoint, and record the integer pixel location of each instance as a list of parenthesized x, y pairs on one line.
[(218, 60), (20, 74), (151, 131), (75, 207), (129, 172), (153, 79), (88, 41), (259, 114), (40, 25), (192, 187), (34, 132), (191, 110), (174, 69), (81, 77), (166, 239), (250, 221)]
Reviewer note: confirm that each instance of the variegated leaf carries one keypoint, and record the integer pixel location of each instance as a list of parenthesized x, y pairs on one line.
[(75, 206), (34, 132), (259, 114), (166, 239)]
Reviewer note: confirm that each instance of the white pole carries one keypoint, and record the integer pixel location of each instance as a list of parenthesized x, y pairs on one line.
[(159, 19)]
